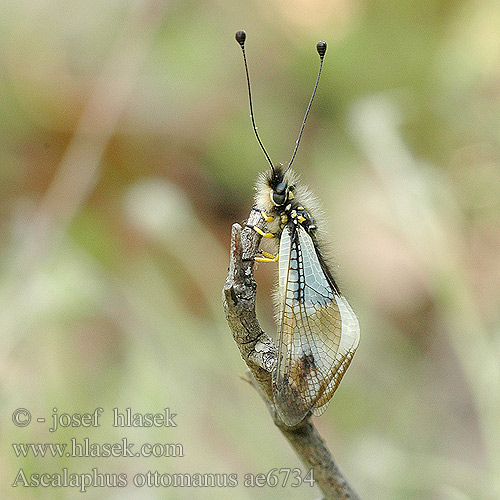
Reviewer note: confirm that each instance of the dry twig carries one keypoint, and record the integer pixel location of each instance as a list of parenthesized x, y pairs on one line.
[(259, 352)]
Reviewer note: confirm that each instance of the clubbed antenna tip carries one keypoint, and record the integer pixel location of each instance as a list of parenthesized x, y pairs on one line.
[(320, 46), (241, 37)]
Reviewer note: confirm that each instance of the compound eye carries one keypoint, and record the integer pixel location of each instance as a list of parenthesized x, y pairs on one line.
[(280, 188), (280, 194), (279, 199)]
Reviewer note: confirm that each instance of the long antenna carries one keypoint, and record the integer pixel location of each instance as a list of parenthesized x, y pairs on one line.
[(321, 48), (240, 38)]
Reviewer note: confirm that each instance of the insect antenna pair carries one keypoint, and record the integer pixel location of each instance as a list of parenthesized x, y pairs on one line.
[(321, 48)]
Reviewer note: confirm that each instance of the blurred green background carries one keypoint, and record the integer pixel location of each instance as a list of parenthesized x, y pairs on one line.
[(126, 154)]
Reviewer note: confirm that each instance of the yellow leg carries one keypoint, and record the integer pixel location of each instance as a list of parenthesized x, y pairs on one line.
[(267, 218), (267, 257), (262, 233)]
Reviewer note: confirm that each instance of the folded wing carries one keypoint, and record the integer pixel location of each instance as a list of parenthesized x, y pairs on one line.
[(318, 331)]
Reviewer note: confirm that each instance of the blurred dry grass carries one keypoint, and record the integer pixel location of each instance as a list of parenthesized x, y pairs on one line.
[(126, 154)]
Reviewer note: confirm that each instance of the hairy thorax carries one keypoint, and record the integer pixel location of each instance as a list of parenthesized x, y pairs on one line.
[(283, 201)]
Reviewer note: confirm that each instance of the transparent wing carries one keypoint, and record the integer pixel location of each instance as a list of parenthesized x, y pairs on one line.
[(318, 331)]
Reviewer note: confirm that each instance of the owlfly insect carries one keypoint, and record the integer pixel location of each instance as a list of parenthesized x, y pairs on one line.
[(318, 332)]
